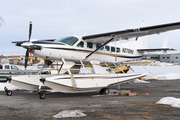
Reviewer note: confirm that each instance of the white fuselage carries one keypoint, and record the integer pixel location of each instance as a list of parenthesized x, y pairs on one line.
[(110, 53)]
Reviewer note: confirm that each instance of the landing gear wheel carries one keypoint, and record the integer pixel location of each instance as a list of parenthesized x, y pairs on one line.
[(104, 91), (101, 91), (8, 92), (42, 95)]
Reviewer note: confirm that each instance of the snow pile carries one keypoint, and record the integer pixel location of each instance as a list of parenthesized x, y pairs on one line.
[(160, 64), (70, 113), (173, 102), (167, 76), (159, 72), (140, 81), (9, 86)]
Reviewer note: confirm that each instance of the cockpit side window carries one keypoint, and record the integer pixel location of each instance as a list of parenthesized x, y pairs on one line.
[(89, 45), (14, 67), (81, 44), (68, 40)]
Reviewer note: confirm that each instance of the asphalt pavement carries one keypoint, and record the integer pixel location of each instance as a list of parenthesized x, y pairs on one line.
[(25, 105)]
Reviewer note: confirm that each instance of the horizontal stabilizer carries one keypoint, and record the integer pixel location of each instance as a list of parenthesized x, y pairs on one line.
[(155, 49)]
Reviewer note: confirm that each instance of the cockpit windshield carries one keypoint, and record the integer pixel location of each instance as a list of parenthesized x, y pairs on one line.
[(68, 40)]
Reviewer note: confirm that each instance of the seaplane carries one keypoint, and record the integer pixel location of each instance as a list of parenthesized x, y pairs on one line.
[(95, 49)]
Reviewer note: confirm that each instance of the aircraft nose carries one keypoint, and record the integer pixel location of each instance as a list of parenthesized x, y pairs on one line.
[(26, 45)]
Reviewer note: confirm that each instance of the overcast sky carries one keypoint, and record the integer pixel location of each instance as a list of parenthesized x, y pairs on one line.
[(60, 18)]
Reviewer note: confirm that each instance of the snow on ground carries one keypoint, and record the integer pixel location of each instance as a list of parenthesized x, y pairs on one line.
[(157, 63), (173, 102), (167, 76), (159, 72), (70, 113), (140, 81)]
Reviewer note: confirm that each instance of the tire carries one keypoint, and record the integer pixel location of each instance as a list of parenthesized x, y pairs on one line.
[(8, 92), (104, 91), (101, 91), (42, 95)]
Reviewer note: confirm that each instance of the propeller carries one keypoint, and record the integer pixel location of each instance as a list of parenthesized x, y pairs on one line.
[(30, 30), (27, 51)]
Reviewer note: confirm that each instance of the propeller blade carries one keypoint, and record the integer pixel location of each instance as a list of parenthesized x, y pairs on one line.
[(26, 58), (30, 30)]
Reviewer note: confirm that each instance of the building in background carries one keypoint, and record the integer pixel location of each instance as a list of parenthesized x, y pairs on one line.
[(18, 59), (168, 58)]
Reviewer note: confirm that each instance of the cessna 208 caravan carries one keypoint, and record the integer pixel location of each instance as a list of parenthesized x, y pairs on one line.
[(94, 49), (97, 47)]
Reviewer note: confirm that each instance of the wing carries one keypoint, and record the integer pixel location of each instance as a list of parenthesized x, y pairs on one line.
[(131, 33)]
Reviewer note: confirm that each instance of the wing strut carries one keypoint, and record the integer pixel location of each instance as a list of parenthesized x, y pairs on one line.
[(113, 37)]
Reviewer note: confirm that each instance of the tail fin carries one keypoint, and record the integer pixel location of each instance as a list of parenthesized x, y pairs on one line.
[(165, 45), (142, 42), (164, 48)]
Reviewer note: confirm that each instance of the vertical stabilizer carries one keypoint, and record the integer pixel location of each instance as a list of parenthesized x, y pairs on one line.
[(165, 45), (143, 41)]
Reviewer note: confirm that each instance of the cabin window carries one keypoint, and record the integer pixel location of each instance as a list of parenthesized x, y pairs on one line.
[(6, 67), (81, 44), (68, 40), (98, 45), (117, 50), (102, 48), (14, 67), (1, 67), (89, 45), (112, 49), (176, 57), (106, 48)]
